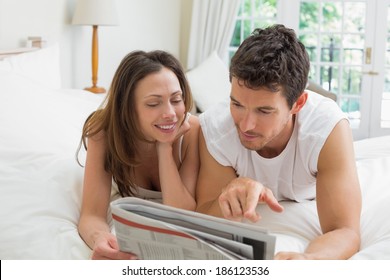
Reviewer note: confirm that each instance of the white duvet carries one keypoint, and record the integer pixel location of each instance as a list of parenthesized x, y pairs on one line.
[(41, 182)]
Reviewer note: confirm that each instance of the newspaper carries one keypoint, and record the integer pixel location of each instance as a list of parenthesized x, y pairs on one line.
[(155, 231)]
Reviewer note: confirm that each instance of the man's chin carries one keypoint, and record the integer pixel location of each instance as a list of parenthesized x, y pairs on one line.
[(251, 145)]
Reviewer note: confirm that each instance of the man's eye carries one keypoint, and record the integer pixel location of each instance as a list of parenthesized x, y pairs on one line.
[(264, 112)]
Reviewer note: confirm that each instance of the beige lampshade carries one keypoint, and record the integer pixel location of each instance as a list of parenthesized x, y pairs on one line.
[(95, 12)]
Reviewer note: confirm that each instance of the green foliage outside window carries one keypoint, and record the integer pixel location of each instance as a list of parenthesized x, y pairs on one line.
[(328, 68)]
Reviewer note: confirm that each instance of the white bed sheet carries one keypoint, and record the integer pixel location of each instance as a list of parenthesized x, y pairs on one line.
[(41, 183), (299, 224), (40, 180)]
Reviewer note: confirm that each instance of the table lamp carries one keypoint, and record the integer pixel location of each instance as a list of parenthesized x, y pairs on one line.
[(95, 13)]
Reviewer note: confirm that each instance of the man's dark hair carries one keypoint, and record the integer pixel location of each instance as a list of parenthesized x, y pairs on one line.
[(273, 58)]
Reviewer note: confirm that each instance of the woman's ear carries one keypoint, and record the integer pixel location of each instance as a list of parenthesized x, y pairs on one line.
[(298, 105)]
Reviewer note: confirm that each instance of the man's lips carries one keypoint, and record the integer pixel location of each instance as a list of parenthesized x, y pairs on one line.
[(249, 136)]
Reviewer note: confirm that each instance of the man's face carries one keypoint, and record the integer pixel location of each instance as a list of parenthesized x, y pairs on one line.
[(263, 118)]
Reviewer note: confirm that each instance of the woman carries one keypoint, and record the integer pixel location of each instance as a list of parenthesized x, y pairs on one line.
[(143, 142)]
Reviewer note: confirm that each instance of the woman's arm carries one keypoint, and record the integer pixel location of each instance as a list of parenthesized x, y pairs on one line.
[(178, 186), (93, 226)]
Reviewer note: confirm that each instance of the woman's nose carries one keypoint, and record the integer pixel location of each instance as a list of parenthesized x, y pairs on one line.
[(169, 111)]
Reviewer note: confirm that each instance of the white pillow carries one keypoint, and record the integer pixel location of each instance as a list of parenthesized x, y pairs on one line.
[(5, 67), (209, 82), (41, 66)]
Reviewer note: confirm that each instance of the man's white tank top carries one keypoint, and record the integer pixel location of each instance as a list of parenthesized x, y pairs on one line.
[(292, 174)]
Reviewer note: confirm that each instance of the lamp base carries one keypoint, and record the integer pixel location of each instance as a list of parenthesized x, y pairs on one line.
[(95, 89)]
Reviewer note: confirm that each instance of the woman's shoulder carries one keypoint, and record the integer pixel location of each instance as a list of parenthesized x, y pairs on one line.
[(100, 136)]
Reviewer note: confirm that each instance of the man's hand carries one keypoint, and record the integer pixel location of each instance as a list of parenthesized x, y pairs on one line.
[(240, 197)]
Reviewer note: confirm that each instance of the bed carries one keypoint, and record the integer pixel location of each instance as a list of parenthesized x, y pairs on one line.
[(41, 182)]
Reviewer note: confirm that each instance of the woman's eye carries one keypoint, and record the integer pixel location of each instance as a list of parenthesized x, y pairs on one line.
[(177, 100), (236, 104), (152, 104)]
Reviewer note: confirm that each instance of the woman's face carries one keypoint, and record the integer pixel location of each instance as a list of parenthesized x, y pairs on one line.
[(160, 105)]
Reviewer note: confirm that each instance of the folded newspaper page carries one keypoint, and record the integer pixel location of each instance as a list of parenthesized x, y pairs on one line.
[(155, 231)]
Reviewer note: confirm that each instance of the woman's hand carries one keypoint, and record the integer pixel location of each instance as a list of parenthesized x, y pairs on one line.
[(106, 248), (292, 256), (184, 128)]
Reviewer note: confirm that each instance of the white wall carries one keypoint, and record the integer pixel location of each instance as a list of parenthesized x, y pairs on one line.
[(22, 18), (144, 24)]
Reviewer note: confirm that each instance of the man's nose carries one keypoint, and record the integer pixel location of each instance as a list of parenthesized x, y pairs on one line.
[(248, 122)]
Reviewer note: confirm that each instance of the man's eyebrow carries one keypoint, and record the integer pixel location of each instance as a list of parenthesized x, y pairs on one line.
[(233, 99), (267, 108)]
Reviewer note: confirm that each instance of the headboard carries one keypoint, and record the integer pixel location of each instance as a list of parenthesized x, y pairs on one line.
[(12, 52), (41, 65), (319, 89)]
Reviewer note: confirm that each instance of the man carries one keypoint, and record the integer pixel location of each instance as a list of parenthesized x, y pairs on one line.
[(278, 142)]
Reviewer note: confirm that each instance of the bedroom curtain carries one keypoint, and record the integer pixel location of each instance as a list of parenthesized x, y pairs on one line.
[(212, 27)]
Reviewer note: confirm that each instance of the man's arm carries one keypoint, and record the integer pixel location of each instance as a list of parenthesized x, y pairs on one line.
[(212, 178), (338, 200), (220, 193)]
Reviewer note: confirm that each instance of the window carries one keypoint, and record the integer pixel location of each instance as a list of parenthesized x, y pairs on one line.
[(385, 106), (348, 42), (334, 35), (252, 14)]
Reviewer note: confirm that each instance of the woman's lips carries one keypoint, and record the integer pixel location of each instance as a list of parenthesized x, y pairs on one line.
[(166, 128)]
